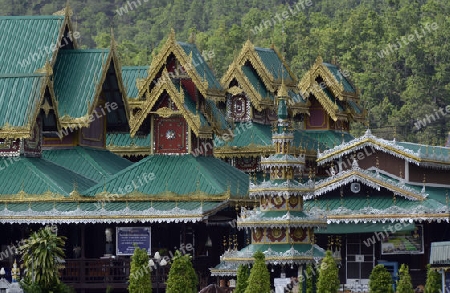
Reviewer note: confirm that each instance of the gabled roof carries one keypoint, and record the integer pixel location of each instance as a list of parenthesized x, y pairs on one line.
[(335, 93), (25, 41), (368, 178), (259, 73), (131, 75), (22, 96), (192, 62), (79, 78), (95, 164), (204, 178), (421, 155), (195, 119), (200, 65)]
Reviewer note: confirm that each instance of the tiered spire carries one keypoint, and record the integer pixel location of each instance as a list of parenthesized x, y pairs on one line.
[(279, 226)]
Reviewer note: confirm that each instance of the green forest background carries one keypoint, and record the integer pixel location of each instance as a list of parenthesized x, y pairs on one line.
[(398, 89)]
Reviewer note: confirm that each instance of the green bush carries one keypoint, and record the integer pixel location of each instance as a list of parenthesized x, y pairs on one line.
[(434, 279), (242, 279), (380, 280), (259, 279), (404, 284), (140, 278), (328, 281), (182, 276)]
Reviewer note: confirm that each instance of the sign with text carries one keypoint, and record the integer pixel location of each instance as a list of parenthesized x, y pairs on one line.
[(128, 237)]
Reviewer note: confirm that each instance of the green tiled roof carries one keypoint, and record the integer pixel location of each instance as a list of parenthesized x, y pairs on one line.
[(379, 201), (257, 134), (200, 65), (296, 97), (19, 97), (24, 39), (424, 149), (129, 76), (37, 176), (76, 76), (95, 164), (182, 175), (273, 63), (329, 138), (339, 77), (219, 116), (276, 253), (190, 105), (352, 228), (125, 139), (257, 83), (333, 99)]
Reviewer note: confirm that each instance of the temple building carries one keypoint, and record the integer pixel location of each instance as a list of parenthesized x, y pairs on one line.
[(258, 160)]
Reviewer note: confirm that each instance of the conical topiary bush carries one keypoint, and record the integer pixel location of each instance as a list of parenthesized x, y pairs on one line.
[(380, 280), (259, 280)]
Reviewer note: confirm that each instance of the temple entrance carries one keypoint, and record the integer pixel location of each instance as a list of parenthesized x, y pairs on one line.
[(359, 262)]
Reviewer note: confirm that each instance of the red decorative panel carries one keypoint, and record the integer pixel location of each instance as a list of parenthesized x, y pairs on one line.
[(32, 146), (258, 235), (298, 234), (170, 135), (240, 108), (276, 234), (94, 135), (296, 202)]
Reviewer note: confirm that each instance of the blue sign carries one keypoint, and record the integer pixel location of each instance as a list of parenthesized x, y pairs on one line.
[(128, 237)]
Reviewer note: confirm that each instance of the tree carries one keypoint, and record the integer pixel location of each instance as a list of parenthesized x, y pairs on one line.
[(404, 284), (140, 279), (380, 280), (182, 276), (433, 284), (242, 279), (259, 279), (328, 281), (41, 254), (310, 278)]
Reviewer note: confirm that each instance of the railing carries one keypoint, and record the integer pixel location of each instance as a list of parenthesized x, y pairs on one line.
[(101, 273)]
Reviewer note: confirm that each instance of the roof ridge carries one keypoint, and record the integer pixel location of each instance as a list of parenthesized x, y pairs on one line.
[(41, 175), (20, 75), (100, 50), (30, 17), (87, 157)]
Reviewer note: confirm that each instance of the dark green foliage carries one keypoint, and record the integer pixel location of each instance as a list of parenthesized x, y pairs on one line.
[(380, 280), (41, 254), (404, 284), (311, 278), (259, 279), (140, 279), (242, 279), (433, 284), (399, 85), (328, 281), (182, 277)]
